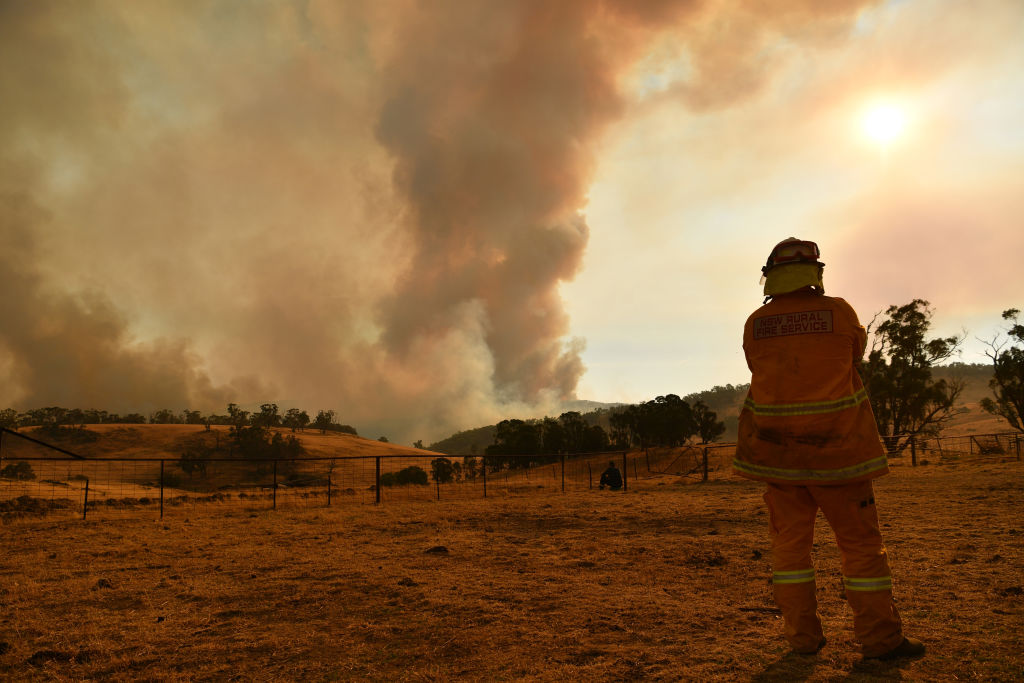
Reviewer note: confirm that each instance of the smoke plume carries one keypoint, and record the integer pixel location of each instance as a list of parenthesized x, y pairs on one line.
[(367, 207)]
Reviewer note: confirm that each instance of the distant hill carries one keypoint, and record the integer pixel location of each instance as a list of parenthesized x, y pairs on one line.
[(974, 420), (582, 406), (469, 442), (727, 401), (976, 376), (170, 441)]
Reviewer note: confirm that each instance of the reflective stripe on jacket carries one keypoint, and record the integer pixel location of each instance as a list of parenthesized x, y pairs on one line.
[(806, 419)]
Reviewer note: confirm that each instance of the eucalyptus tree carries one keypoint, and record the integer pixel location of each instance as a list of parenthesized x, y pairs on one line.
[(897, 372)]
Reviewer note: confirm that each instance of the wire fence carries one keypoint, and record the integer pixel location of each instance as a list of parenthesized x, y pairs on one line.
[(39, 479), (973, 446), (45, 480)]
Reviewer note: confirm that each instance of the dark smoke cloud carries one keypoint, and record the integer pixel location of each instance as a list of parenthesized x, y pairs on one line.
[(360, 206), (78, 350)]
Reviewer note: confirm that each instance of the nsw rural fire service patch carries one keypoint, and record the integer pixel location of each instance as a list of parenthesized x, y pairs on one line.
[(801, 322)]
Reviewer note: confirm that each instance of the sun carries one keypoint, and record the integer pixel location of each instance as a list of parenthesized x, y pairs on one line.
[(884, 123)]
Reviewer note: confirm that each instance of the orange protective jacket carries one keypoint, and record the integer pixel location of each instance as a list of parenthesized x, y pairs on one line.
[(806, 419)]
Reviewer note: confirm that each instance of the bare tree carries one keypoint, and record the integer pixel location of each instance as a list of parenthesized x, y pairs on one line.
[(1007, 381)]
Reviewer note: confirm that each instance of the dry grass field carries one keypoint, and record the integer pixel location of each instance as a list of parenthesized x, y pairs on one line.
[(168, 441), (668, 581)]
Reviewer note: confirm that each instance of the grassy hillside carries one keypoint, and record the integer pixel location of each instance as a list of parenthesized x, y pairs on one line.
[(975, 376), (471, 441), (170, 441)]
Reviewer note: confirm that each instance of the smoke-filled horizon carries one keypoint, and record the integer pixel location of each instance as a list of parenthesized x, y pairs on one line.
[(370, 207)]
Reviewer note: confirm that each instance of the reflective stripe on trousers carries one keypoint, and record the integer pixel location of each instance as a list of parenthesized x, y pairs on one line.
[(796, 576), (879, 583)]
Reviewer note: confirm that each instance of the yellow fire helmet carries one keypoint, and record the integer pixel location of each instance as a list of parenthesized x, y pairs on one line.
[(792, 265)]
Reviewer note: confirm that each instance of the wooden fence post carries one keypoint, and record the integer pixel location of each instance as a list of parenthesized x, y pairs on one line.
[(275, 484), (85, 504), (161, 489), (328, 490), (704, 463), (484, 461), (377, 485), (625, 472), (563, 474), (913, 451), (590, 473)]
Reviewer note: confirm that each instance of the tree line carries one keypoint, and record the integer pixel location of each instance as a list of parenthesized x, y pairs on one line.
[(519, 444), (57, 419), (663, 421)]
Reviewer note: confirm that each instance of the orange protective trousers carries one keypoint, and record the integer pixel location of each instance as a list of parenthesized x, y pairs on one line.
[(850, 510)]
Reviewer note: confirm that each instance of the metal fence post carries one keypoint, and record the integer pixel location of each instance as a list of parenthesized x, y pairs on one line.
[(275, 484), (161, 489), (625, 472), (377, 485), (85, 504)]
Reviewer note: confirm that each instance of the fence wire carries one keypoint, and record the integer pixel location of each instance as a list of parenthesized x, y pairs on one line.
[(36, 480), (1006, 444)]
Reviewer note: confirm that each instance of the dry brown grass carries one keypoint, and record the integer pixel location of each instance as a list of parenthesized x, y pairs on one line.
[(665, 582), (169, 441)]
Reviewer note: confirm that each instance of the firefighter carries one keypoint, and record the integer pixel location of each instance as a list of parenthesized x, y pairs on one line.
[(807, 430)]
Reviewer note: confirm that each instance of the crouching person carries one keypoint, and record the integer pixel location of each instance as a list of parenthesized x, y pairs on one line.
[(611, 478)]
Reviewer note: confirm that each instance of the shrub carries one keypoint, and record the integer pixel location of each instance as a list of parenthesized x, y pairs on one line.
[(172, 480), (403, 477), (68, 433), (20, 470)]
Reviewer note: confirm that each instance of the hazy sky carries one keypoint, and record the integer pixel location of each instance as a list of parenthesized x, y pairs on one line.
[(431, 215)]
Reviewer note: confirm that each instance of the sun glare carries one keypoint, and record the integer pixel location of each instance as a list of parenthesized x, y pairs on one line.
[(883, 123)]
